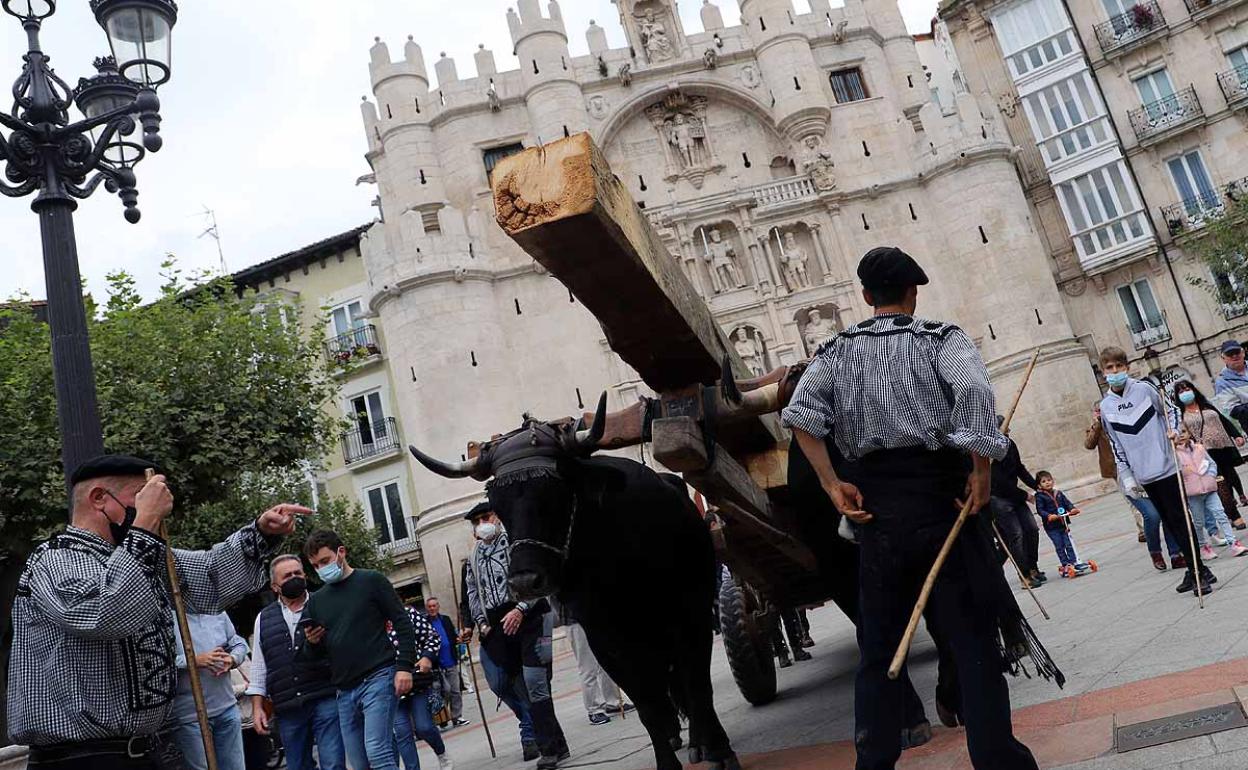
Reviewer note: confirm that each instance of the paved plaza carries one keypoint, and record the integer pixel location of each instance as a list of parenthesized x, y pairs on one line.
[(1131, 648)]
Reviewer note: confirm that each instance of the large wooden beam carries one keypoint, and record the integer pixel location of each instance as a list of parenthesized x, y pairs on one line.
[(562, 204)]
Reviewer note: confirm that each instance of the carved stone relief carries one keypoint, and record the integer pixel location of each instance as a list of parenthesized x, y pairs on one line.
[(750, 77), (680, 121), (721, 259), (752, 347), (818, 325), (655, 40), (597, 106), (818, 164)]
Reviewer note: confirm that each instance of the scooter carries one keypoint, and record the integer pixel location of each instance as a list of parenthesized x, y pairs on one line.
[(1080, 567)]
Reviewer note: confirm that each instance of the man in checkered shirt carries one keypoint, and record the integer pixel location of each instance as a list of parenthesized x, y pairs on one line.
[(906, 402), (92, 675)]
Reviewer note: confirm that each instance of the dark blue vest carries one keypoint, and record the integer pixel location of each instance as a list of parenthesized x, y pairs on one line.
[(292, 680)]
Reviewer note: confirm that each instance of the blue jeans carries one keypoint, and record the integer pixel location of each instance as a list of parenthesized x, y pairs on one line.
[(317, 721), (1209, 515), (1152, 523), (1065, 548), (412, 720), (519, 705), (227, 739), (366, 717)]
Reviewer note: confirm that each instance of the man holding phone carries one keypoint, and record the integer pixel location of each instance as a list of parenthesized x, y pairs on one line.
[(350, 613), (299, 687)]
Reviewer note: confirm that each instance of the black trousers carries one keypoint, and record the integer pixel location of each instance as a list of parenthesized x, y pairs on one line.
[(1019, 529), (911, 495), (1168, 498)]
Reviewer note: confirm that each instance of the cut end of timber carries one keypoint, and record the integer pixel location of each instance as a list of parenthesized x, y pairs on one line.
[(545, 184)]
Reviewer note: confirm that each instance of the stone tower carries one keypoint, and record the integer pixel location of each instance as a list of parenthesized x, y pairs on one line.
[(551, 91), (788, 67)]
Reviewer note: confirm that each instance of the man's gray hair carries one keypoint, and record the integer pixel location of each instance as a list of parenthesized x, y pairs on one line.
[(278, 560), (433, 599)]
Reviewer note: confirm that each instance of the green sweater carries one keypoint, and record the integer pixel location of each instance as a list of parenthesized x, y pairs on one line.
[(354, 612)]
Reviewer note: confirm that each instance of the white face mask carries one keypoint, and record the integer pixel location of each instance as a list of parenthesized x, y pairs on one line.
[(487, 531)]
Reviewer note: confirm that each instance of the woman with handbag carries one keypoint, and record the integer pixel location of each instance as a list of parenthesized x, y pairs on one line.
[(413, 717), (1220, 436)]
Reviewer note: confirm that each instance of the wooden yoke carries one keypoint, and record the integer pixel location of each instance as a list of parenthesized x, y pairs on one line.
[(562, 204)]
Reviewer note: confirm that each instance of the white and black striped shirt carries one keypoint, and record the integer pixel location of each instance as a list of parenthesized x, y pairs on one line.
[(893, 382), (93, 645)]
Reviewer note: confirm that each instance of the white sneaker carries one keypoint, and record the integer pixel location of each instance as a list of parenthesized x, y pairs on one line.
[(1220, 541), (444, 762), (1238, 550), (1207, 552)]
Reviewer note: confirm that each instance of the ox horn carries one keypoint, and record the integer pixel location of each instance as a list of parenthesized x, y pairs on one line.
[(457, 470), (764, 400), (588, 438)]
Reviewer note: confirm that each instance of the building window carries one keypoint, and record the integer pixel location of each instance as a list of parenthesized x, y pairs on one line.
[(1034, 34), (1144, 318), (1238, 58), (370, 421), (495, 154), (1067, 117), (1102, 210), (847, 85), (347, 328), (385, 505), (1156, 93), (1195, 188)]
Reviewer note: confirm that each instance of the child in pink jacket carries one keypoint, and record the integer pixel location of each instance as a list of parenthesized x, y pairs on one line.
[(1200, 482)]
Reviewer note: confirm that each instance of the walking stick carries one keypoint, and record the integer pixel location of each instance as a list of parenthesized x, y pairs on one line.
[(188, 645), (1026, 582), (476, 688), (903, 648), (1187, 514)]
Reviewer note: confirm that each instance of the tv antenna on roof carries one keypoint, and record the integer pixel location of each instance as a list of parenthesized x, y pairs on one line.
[(215, 233)]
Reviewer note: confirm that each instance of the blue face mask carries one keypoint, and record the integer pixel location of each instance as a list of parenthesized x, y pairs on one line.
[(1117, 380), (1187, 396), (330, 573)]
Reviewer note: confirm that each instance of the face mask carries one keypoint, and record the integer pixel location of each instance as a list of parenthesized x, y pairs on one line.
[(330, 573), (1117, 380), (487, 530), (1187, 396), (294, 588), (118, 531)]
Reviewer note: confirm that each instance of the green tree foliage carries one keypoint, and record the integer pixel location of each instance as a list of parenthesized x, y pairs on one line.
[(1223, 245)]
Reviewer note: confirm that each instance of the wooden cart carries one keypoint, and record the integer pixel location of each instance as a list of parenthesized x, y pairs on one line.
[(563, 206)]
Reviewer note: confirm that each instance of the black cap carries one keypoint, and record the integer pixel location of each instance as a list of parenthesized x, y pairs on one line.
[(111, 465), (889, 266), (480, 509), (1230, 345)]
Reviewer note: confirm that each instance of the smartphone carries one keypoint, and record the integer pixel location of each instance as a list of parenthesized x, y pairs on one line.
[(306, 623)]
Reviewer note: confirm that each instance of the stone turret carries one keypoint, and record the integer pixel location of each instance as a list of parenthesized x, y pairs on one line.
[(551, 92), (596, 38), (788, 67), (485, 62), (903, 60), (712, 19)]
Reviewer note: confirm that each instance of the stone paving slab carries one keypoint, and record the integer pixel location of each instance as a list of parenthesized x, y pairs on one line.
[(1120, 635)]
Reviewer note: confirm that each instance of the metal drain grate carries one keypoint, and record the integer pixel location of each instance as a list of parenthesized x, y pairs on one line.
[(1158, 731)]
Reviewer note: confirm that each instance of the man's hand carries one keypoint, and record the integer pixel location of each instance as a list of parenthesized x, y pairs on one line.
[(1031, 498), (281, 518), (258, 716), (978, 486), (218, 661), (848, 500), (314, 634), (512, 621), (152, 504), (1075, 511), (1053, 517), (424, 665), (465, 635), (1239, 441), (402, 683), (485, 631)]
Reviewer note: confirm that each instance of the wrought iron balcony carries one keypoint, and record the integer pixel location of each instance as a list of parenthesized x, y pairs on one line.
[(1162, 118), (1125, 30), (370, 440), (1234, 309), (404, 545), (1149, 335), (1192, 213), (1203, 9), (355, 345), (1234, 85)]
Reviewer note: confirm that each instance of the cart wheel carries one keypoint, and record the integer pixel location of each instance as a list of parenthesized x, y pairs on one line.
[(1092, 564), (748, 646)]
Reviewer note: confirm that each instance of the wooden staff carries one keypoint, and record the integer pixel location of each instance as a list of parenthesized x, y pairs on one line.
[(899, 658), (1187, 514), (188, 644), (1025, 580), (476, 688)]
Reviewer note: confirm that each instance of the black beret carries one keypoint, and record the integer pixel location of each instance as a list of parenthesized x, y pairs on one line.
[(889, 266), (480, 509), (111, 465)]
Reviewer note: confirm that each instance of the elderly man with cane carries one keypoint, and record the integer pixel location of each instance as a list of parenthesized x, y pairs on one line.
[(92, 676), (908, 404)]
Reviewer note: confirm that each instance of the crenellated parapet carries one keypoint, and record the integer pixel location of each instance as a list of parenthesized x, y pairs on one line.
[(972, 129)]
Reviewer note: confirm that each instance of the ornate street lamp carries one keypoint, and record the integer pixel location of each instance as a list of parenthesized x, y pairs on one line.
[(62, 161)]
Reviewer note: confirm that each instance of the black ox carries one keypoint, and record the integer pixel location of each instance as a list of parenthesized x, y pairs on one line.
[(626, 550)]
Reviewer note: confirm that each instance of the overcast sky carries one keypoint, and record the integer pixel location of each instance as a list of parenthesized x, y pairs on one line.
[(262, 123)]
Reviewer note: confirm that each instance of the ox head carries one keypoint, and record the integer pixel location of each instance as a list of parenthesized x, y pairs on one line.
[(532, 474)]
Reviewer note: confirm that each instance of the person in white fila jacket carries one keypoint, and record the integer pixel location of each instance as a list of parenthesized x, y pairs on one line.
[(1139, 424)]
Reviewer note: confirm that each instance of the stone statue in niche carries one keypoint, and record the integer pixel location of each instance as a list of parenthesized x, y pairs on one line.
[(793, 261), (721, 256), (626, 74), (710, 59), (817, 331), (654, 39), (496, 104), (681, 124), (750, 348), (818, 164), (838, 32)]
